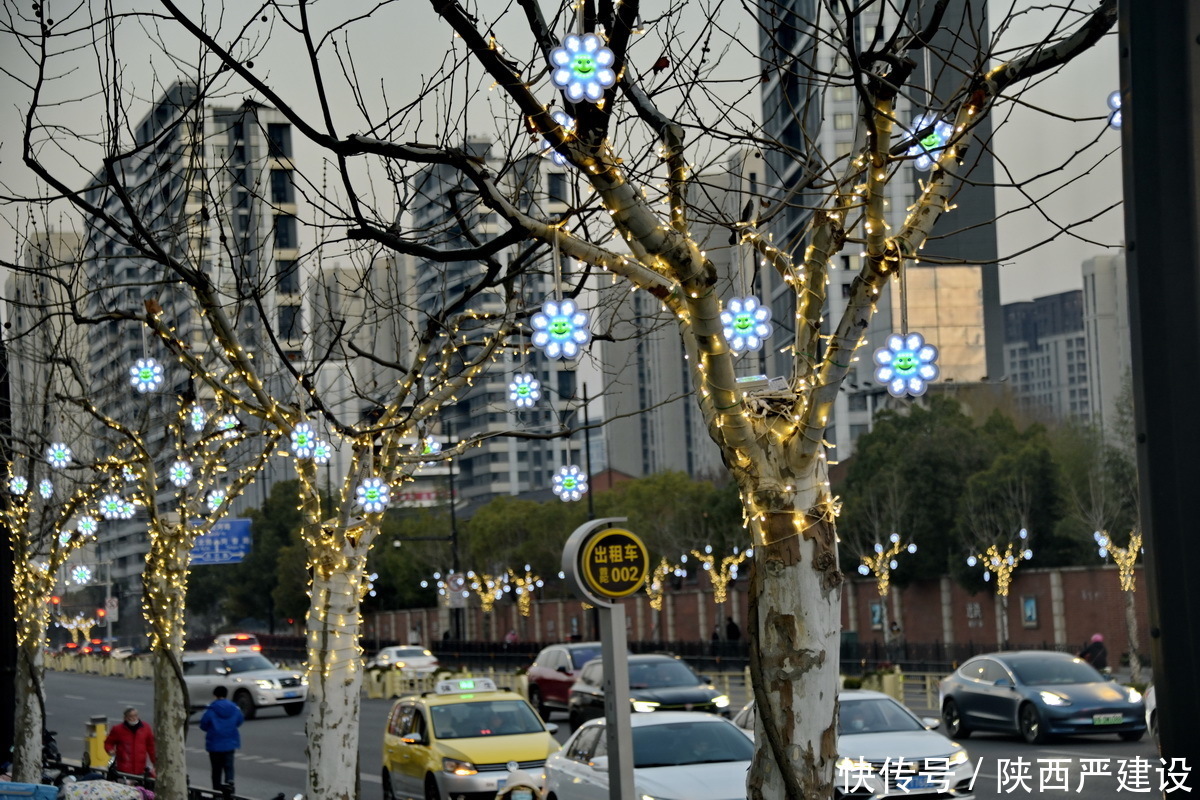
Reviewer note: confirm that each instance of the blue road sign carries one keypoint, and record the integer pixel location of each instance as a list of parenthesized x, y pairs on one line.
[(227, 543)]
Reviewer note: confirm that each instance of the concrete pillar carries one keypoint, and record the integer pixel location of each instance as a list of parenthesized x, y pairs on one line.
[(947, 588), (561, 633), (1058, 608), (536, 616), (669, 608), (702, 614), (852, 605), (639, 608), (897, 607)]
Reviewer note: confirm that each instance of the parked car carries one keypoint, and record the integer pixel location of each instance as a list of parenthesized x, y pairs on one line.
[(656, 683), (411, 659), (253, 682), (465, 738), (235, 643), (553, 673), (1038, 694), (1152, 715), (120, 653), (676, 754), (884, 748)]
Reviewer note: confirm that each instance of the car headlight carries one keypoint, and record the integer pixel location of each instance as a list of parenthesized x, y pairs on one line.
[(847, 764), (400, 665), (264, 684), (303, 680), (456, 767), (959, 756), (1134, 695), (721, 701), (644, 706), (1052, 699)]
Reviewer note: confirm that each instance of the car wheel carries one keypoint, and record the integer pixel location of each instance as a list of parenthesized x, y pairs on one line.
[(388, 792), (1030, 723), (246, 703), (952, 719), (293, 709), (535, 700), (431, 788), (1131, 736)]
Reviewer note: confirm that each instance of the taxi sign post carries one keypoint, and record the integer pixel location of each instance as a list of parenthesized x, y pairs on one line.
[(603, 564)]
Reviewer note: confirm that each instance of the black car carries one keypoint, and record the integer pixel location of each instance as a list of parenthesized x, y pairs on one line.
[(656, 683), (1038, 694)]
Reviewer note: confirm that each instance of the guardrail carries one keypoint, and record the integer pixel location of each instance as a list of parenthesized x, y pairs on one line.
[(134, 667)]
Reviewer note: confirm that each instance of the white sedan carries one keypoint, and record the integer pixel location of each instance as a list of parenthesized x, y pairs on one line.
[(885, 749), (416, 660), (677, 755)]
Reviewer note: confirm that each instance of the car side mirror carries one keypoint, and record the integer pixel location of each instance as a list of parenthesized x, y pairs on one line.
[(1005, 683), (414, 738), (563, 670), (931, 723), (552, 728), (599, 763)]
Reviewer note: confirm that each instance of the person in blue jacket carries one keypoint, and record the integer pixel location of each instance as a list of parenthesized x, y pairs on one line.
[(221, 738)]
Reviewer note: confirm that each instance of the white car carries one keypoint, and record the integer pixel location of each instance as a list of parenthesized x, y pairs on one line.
[(886, 749), (253, 682), (235, 643), (1152, 714), (677, 755), (412, 659)]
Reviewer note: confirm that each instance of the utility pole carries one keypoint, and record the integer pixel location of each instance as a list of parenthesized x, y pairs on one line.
[(456, 615), (8, 612)]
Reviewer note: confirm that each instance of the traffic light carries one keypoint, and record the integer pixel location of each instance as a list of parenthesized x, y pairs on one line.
[(101, 613), (55, 599)]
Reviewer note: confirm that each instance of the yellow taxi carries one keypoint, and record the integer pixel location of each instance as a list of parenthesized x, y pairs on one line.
[(461, 741)]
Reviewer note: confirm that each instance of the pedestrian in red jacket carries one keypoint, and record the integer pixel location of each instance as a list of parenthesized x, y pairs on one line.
[(133, 743)]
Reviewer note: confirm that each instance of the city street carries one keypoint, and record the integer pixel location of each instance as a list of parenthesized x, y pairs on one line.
[(272, 757)]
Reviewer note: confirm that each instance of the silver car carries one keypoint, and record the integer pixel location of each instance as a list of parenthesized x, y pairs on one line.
[(253, 682)]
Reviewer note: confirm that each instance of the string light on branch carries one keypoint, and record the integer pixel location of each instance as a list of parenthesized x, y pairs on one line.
[(582, 67), (146, 375), (570, 483), (567, 123), (883, 561), (560, 329), (45, 488), (373, 495), (1125, 557), (181, 473), (525, 585), (489, 588), (58, 455), (656, 584), (906, 364), (303, 439), (721, 574), (927, 149), (1002, 565), (18, 485), (747, 323), (524, 391), (1114, 105)]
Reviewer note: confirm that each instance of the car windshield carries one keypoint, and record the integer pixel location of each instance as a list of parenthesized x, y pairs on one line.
[(678, 743), (248, 663), (582, 655), (490, 718), (874, 716), (406, 652), (1043, 672), (661, 673)]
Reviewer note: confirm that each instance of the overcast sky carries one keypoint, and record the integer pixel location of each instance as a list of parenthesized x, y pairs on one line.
[(407, 40)]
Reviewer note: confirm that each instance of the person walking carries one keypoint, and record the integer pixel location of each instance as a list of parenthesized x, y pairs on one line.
[(1096, 653), (732, 631), (132, 742), (220, 724)]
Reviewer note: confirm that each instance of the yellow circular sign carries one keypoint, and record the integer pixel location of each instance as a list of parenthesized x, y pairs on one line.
[(614, 563)]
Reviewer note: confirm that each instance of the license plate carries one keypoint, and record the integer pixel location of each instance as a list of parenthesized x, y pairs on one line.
[(918, 782), (288, 695), (500, 783), (1108, 719)]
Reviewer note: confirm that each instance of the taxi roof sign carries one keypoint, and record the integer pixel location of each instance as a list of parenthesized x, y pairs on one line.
[(461, 685)]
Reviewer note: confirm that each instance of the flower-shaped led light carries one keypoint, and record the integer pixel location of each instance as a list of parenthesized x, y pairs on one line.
[(747, 323), (525, 390), (181, 473), (58, 455), (560, 329), (565, 122), (927, 149), (45, 488), (906, 365), (582, 67), (111, 506), (1114, 103), (87, 526), (322, 452), (430, 446), (215, 498), (146, 375), (570, 483), (81, 574), (64, 538), (303, 439), (228, 424), (18, 484), (127, 510), (373, 495), (197, 417)]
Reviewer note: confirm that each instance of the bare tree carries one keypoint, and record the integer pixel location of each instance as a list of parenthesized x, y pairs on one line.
[(997, 520)]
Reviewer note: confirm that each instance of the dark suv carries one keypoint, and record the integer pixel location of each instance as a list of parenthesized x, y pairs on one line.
[(553, 674), (656, 683)]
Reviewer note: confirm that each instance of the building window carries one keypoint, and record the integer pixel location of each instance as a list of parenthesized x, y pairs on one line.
[(566, 384), (857, 402), (289, 322), (557, 187), (843, 93), (843, 122), (285, 231), (287, 272), (282, 190), (279, 140)]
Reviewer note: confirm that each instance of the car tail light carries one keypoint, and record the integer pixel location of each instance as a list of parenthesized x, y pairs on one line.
[(107, 649), (256, 648)]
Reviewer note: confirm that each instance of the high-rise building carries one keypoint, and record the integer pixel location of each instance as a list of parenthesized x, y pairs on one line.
[(1045, 348), (1109, 353)]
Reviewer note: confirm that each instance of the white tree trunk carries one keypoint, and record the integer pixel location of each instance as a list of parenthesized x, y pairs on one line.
[(164, 588), (29, 719), (795, 605), (1131, 629), (334, 686)]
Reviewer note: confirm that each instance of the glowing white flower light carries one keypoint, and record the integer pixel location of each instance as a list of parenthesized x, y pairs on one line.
[(582, 67), (568, 125), (570, 483), (58, 455), (146, 375), (303, 439), (81, 574), (127, 510), (128, 474), (181, 473), (18, 484), (45, 488), (863, 569), (905, 365), (373, 495), (430, 446), (972, 561), (64, 538), (926, 150), (1114, 105), (560, 329), (525, 390), (87, 526), (215, 498), (197, 417), (228, 425), (747, 323), (322, 452)]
